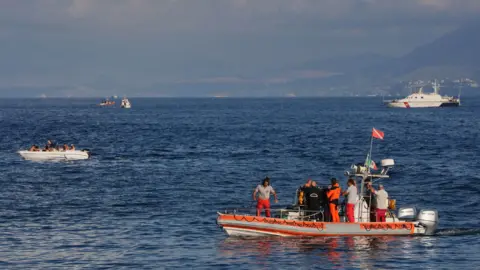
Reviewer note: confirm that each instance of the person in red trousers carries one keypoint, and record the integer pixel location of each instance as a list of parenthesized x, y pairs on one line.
[(381, 199), (263, 200), (351, 194)]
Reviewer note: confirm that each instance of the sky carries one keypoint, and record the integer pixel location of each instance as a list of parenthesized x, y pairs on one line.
[(88, 47)]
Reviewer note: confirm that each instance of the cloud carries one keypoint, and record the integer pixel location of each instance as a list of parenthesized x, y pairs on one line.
[(132, 42)]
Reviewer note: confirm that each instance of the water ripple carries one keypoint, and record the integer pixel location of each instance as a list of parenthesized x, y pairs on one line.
[(147, 199)]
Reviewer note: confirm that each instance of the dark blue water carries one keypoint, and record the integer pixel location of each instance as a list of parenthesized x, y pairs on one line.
[(148, 197)]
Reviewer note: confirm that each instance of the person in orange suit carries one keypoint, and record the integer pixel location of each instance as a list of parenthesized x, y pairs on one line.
[(333, 194)]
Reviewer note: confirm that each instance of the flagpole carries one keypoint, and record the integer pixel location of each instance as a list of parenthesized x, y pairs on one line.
[(360, 209), (370, 154)]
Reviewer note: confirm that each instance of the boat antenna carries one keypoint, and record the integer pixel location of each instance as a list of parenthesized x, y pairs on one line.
[(435, 87), (365, 176), (460, 90)]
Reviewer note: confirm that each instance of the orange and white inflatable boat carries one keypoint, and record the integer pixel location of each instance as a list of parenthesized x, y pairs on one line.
[(296, 221)]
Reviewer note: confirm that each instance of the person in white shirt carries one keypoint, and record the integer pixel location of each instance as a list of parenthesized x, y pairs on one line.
[(263, 200), (381, 199), (351, 194)]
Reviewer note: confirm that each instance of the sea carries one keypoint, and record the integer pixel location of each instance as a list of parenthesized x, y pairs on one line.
[(148, 198)]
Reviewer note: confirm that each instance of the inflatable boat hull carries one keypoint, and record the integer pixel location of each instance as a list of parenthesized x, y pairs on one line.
[(57, 155)]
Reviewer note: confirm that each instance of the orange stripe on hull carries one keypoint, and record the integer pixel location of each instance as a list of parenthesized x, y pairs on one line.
[(290, 233), (386, 226), (278, 221), (364, 228)]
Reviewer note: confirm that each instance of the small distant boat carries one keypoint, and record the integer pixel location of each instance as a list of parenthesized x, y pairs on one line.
[(425, 100), (126, 103), (106, 102), (54, 155)]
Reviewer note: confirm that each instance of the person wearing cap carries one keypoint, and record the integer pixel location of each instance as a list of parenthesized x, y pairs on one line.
[(351, 194), (333, 194), (263, 200), (381, 199)]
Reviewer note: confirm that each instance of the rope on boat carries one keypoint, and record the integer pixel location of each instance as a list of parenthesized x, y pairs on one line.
[(319, 226), (386, 226)]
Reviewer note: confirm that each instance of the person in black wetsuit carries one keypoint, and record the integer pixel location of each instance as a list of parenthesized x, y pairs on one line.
[(49, 145), (314, 198)]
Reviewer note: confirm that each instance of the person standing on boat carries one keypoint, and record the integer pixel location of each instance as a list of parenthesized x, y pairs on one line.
[(381, 199), (333, 194), (313, 197), (301, 192), (351, 194), (263, 200)]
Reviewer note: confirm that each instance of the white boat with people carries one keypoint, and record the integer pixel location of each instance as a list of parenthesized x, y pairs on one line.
[(317, 212), (126, 103), (54, 153), (425, 100)]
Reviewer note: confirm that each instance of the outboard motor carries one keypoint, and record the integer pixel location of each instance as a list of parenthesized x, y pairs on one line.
[(407, 213), (429, 219), (386, 165)]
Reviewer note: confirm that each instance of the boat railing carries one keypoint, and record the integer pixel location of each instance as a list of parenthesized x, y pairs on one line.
[(294, 213)]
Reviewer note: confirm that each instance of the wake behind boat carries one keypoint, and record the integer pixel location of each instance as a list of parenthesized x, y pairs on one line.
[(301, 219), (425, 100)]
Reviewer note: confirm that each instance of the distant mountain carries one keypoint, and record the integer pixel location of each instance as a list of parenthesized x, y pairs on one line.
[(346, 64), (455, 54)]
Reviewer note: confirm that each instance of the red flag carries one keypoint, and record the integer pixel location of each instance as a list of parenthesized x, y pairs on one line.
[(377, 134)]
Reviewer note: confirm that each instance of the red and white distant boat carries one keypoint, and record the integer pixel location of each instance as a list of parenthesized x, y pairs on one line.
[(425, 100), (126, 103)]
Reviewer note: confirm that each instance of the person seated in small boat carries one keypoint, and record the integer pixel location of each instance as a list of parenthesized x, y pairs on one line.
[(34, 148), (65, 147), (72, 147), (50, 145)]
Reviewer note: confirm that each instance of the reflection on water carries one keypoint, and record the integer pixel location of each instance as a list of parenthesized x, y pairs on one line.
[(335, 252), (148, 197)]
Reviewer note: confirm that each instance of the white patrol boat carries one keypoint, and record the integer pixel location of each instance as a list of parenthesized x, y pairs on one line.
[(425, 100), (295, 220), (126, 103), (64, 155)]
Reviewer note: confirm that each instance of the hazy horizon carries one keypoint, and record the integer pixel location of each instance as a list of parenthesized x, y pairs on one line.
[(99, 48)]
